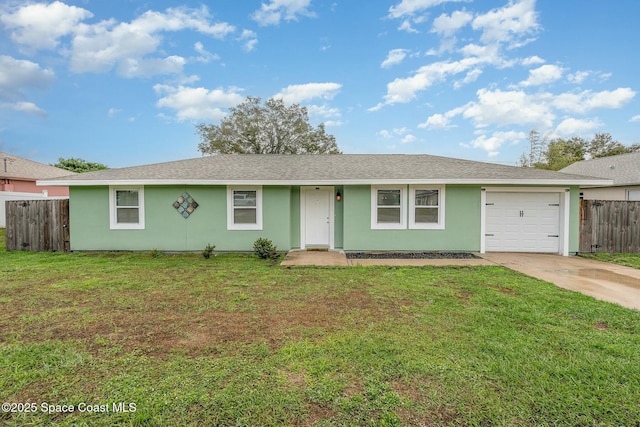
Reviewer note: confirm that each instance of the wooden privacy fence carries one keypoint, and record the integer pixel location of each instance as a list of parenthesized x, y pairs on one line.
[(38, 225), (609, 226)]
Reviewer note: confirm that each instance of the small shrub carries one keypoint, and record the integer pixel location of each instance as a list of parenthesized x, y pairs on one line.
[(154, 253), (264, 249), (208, 250)]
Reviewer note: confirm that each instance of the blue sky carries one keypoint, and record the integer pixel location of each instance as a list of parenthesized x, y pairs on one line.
[(122, 82)]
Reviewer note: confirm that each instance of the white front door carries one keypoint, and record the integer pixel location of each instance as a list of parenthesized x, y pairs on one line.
[(522, 222), (317, 221)]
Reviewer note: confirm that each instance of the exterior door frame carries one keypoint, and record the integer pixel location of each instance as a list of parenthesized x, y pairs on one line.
[(565, 203), (303, 213)]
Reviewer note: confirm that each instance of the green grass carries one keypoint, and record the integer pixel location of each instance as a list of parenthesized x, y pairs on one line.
[(630, 260), (234, 340)]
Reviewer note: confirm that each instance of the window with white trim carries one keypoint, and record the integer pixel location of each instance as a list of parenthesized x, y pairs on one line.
[(426, 207), (388, 207), (244, 208), (126, 208)]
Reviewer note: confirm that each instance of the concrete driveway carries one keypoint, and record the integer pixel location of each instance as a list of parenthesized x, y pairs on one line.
[(603, 281)]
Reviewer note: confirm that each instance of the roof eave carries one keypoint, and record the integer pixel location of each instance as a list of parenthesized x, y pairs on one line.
[(458, 181)]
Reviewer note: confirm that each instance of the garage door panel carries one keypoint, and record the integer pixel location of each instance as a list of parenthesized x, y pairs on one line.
[(522, 222)]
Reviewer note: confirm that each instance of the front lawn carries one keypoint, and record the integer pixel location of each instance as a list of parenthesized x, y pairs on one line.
[(234, 340), (630, 260)]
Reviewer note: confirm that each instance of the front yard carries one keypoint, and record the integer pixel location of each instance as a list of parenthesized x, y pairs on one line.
[(233, 340)]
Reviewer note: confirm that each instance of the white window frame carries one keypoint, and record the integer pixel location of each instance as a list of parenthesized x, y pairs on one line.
[(113, 217), (231, 225), (412, 208), (374, 208)]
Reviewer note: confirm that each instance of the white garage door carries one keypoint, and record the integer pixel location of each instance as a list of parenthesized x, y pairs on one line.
[(522, 222)]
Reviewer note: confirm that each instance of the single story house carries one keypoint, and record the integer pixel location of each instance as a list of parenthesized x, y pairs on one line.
[(18, 178), (623, 169), (351, 202), (20, 175)]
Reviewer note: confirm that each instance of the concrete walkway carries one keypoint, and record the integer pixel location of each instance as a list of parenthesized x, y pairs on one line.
[(319, 257), (603, 281)]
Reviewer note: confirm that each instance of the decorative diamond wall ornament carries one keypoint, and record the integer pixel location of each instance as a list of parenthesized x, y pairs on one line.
[(185, 205)]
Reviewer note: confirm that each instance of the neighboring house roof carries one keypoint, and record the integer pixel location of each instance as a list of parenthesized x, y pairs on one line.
[(327, 169), (623, 169), (14, 167)]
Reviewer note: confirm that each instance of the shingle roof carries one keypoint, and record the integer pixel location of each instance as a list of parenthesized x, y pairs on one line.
[(623, 169), (320, 169), (15, 167)]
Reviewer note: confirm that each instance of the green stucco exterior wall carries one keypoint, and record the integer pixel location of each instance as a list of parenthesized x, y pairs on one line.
[(461, 232), (166, 230)]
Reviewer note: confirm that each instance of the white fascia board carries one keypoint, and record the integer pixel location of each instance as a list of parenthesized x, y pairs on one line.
[(467, 181)]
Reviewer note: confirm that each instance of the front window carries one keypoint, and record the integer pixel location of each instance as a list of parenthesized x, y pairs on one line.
[(126, 208), (426, 207), (388, 207), (244, 208)]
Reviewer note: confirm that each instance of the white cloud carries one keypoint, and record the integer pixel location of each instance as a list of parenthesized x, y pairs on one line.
[(533, 60), (518, 108), (407, 139), (409, 7), (388, 134), (488, 53), (113, 112), (294, 94), (127, 46), (587, 100), (250, 40), (205, 56), (142, 67), (17, 76), (604, 76), (23, 107), (635, 118), (406, 26), (436, 121), (178, 19), (509, 23), (403, 90), (578, 77), (471, 77), (492, 143), (572, 126), (273, 12), (497, 107), (394, 57), (323, 111), (543, 75), (40, 25), (447, 25), (199, 103)]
